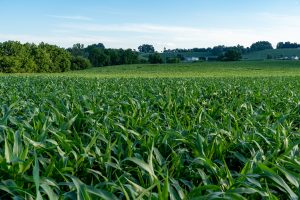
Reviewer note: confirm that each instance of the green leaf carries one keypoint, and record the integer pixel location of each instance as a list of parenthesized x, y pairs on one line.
[(165, 190), (36, 177), (17, 144), (292, 179), (277, 179), (51, 194), (81, 189), (144, 166), (8, 153), (248, 191), (101, 193)]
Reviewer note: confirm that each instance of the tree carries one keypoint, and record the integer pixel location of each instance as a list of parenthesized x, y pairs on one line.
[(218, 50), (6, 64), (180, 57), (173, 60), (269, 57), (61, 59), (146, 48), (129, 57), (17, 57), (77, 50), (233, 54), (97, 46), (98, 58), (261, 45), (287, 45), (79, 63), (115, 57), (42, 59), (155, 58)]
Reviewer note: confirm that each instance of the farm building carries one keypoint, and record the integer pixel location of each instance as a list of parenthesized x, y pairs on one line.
[(289, 58), (191, 59)]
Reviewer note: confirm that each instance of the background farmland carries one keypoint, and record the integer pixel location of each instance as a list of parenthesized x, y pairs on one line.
[(270, 54)]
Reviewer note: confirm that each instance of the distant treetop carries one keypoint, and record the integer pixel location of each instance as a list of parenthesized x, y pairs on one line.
[(261, 45), (146, 48), (287, 45)]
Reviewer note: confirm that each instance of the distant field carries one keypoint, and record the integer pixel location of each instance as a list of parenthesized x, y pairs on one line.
[(275, 53), (188, 54), (185, 54), (258, 55), (201, 69)]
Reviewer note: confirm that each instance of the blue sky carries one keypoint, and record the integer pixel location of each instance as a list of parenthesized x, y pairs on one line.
[(163, 23)]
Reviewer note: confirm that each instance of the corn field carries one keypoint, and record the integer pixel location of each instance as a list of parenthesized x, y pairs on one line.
[(139, 138)]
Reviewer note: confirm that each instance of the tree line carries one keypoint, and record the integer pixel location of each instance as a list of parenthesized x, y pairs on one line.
[(233, 53), (28, 57), (100, 56), (257, 46), (287, 45), (16, 57)]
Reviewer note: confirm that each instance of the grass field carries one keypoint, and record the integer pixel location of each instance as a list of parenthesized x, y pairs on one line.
[(274, 53), (253, 56), (201, 69), (199, 131), (187, 70), (188, 54)]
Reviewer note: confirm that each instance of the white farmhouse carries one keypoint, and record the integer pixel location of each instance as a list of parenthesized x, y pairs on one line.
[(192, 59)]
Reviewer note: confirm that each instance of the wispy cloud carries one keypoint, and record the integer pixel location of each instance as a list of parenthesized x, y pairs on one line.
[(77, 17), (187, 37), (279, 20), (61, 40), (147, 28), (169, 36), (176, 33)]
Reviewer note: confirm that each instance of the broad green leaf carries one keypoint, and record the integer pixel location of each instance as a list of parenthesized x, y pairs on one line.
[(36, 177)]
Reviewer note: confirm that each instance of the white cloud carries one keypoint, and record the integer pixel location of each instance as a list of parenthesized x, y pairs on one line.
[(279, 20), (62, 40), (277, 28), (188, 37)]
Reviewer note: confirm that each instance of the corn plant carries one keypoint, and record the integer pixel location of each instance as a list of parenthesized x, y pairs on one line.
[(164, 138)]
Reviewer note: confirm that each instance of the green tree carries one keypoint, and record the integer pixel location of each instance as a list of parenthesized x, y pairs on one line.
[(98, 58), (261, 45), (218, 50), (16, 57), (173, 60), (79, 63), (114, 56), (129, 57), (231, 55), (287, 45), (155, 58), (61, 59), (97, 46), (6, 63), (77, 50), (42, 59), (146, 48)]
